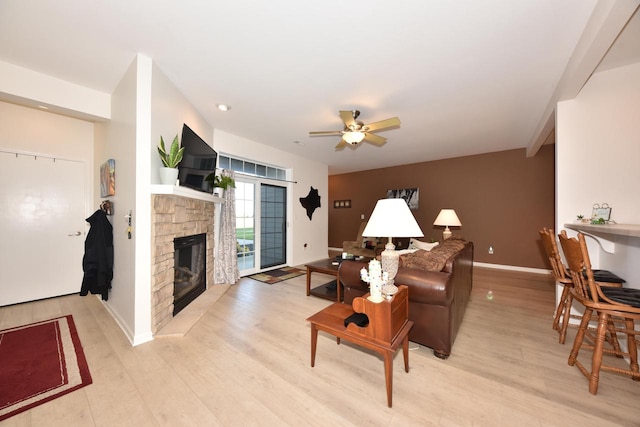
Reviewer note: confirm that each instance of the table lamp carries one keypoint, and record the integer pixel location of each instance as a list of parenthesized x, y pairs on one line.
[(391, 218), (446, 218)]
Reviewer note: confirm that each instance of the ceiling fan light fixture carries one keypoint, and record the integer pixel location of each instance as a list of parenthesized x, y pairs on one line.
[(353, 137)]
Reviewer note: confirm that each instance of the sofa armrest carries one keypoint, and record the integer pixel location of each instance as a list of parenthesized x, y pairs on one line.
[(350, 273), (427, 287)]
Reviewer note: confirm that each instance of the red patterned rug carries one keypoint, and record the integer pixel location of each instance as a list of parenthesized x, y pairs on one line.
[(38, 363), (278, 275)]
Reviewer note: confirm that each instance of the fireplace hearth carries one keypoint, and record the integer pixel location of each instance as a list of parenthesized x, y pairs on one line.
[(190, 266)]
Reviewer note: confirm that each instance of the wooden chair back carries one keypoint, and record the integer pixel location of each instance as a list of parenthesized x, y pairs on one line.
[(578, 262), (551, 248)]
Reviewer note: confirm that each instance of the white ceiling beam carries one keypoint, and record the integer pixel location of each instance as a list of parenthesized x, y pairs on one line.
[(606, 23), (22, 86)]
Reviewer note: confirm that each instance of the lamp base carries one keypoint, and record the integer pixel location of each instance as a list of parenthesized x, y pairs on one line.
[(446, 233), (389, 259)]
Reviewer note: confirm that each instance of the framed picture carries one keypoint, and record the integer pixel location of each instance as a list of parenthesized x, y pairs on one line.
[(108, 178), (341, 204), (601, 212), (410, 195)]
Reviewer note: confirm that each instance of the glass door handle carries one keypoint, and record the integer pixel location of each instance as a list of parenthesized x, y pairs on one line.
[(77, 233)]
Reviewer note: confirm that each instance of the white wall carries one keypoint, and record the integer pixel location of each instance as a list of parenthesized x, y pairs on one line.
[(597, 154), (170, 110), (307, 174), (116, 140), (36, 131)]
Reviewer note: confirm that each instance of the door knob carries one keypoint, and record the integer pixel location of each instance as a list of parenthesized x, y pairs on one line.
[(77, 233)]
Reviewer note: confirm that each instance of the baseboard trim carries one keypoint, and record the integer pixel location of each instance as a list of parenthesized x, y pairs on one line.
[(512, 268)]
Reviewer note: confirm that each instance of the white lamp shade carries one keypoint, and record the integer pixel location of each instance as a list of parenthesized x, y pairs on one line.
[(447, 217), (392, 218)]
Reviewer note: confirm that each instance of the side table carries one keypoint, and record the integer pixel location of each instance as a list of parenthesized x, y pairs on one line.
[(388, 329)]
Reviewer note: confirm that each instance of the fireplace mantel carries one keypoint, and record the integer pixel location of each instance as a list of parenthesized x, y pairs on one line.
[(176, 190)]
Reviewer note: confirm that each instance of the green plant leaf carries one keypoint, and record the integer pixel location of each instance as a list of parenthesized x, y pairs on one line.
[(172, 158)]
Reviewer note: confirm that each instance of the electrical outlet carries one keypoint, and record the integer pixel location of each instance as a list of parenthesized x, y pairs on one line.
[(361, 216), (490, 250)]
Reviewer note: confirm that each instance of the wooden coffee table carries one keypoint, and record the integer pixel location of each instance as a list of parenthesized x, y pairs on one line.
[(324, 266)]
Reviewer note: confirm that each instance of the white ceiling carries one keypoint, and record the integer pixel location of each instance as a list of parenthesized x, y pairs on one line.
[(464, 77)]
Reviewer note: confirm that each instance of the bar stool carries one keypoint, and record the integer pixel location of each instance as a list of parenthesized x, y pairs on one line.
[(609, 303), (563, 310)]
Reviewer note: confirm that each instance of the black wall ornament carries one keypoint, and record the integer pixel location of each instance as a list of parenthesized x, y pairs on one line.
[(311, 202)]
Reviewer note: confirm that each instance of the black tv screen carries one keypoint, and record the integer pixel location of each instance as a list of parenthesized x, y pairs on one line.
[(198, 161)]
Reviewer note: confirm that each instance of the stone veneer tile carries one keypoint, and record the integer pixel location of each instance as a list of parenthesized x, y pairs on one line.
[(175, 216)]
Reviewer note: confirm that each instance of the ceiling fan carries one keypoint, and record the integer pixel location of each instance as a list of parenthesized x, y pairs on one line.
[(355, 131)]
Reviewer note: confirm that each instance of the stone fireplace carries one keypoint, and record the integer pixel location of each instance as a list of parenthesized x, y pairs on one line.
[(174, 217)]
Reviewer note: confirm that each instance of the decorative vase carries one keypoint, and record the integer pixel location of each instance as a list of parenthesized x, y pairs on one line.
[(168, 176)]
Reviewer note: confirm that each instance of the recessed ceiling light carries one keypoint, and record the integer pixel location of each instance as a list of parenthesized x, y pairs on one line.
[(223, 107)]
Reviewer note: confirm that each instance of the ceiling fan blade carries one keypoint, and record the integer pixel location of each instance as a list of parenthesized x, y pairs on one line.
[(341, 145), (347, 118), (393, 122), (325, 133), (375, 139)]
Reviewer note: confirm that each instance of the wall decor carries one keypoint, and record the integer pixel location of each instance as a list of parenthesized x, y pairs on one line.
[(311, 202), (108, 178), (601, 212), (341, 204), (410, 195)]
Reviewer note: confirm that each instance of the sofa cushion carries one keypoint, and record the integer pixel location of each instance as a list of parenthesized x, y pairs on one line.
[(435, 259)]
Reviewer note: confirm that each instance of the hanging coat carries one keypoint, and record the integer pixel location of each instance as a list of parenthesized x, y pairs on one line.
[(97, 262)]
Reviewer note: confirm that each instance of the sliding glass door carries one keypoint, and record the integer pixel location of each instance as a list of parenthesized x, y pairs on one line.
[(273, 225), (245, 226), (261, 234)]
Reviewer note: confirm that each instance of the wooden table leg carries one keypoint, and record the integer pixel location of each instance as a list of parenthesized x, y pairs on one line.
[(405, 352), (314, 342), (388, 375), (308, 281)]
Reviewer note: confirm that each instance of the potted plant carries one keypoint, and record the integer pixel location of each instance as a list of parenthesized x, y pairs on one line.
[(170, 160), (220, 183)]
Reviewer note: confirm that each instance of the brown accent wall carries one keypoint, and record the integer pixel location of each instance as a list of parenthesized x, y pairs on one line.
[(501, 198)]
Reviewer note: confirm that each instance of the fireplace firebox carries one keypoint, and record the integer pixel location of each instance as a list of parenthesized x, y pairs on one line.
[(190, 268)]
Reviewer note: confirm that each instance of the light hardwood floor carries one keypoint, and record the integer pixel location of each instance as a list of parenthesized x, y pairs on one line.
[(247, 362)]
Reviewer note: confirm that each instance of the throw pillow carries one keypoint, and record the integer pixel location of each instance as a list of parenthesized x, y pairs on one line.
[(406, 251), (417, 244)]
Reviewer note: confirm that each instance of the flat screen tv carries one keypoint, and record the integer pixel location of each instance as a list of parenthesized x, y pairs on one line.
[(198, 161)]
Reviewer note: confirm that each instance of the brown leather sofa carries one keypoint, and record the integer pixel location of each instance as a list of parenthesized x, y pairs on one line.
[(437, 299)]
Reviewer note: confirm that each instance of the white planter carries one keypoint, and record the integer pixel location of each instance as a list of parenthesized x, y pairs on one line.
[(218, 191), (168, 176)]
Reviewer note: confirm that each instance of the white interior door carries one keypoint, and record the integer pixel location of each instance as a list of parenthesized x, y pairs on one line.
[(42, 227)]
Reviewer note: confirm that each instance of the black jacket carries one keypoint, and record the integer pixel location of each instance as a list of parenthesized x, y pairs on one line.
[(97, 262)]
